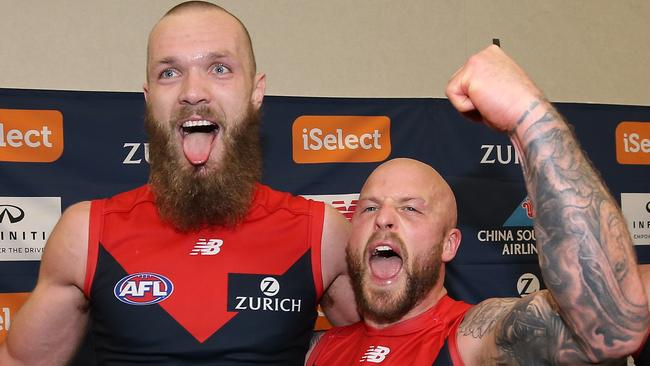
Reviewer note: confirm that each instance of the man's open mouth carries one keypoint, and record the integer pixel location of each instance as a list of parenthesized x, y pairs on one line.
[(385, 262), (198, 137)]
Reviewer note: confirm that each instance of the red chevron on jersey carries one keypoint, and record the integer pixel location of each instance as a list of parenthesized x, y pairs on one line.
[(278, 231)]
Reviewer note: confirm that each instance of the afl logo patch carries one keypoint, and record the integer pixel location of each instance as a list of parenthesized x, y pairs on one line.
[(143, 289)]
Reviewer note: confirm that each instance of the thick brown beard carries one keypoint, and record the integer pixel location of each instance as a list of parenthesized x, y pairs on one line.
[(190, 199), (384, 307)]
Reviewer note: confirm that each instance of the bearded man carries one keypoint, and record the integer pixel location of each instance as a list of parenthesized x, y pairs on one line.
[(204, 265), (404, 232)]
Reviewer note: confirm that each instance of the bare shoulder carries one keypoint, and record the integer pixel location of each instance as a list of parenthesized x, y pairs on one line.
[(517, 331), (338, 300), (51, 323), (336, 231), (64, 257)]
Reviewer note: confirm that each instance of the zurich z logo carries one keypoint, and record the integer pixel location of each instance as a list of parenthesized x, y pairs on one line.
[(143, 289)]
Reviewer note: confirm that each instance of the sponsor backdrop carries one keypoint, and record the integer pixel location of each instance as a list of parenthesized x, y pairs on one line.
[(57, 148)]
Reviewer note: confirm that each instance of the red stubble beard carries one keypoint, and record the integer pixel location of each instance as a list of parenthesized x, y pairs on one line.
[(386, 306), (215, 194)]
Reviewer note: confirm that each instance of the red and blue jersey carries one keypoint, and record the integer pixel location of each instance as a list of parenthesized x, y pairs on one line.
[(218, 296), (425, 340)]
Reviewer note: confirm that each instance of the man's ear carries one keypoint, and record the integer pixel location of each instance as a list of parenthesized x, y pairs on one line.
[(450, 245), (145, 88), (259, 88)]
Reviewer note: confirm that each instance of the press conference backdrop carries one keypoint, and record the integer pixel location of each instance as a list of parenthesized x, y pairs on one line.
[(61, 147)]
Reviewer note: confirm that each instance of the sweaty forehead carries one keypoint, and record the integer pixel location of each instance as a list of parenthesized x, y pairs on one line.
[(197, 32), (402, 179), (407, 178)]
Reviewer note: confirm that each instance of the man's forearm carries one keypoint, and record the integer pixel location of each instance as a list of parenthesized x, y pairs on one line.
[(585, 251)]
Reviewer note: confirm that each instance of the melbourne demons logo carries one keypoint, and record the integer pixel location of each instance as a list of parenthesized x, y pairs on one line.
[(143, 289), (344, 203)]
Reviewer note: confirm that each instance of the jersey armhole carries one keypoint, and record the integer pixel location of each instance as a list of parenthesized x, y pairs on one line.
[(95, 225), (638, 352), (316, 350), (452, 341), (317, 215)]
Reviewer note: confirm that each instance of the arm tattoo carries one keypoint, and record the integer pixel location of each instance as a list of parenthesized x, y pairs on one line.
[(584, 248), (481, 318), (533, 333)]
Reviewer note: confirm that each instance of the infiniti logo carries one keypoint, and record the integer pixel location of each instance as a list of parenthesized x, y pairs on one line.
[(13, 213), (647, 206)]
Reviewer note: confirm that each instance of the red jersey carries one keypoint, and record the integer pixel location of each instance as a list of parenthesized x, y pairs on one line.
[(218, 296), (416, 341)]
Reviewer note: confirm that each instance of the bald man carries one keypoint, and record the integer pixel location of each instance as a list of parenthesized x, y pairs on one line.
[(404, 232), (204, 265)]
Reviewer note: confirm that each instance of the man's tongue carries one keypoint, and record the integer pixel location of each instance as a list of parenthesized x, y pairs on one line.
[(385, 268), (197, 147)]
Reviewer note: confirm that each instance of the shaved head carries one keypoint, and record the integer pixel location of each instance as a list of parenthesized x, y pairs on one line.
[(199, 7), (403, 231), (410, 177), (203, 97)]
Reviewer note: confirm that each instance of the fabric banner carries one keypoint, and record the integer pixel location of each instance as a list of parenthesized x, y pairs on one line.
[(60, 147)]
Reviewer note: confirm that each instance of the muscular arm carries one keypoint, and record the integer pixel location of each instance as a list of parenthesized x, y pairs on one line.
[(585, 251), (525, 331), (52, 321), (338, 301)]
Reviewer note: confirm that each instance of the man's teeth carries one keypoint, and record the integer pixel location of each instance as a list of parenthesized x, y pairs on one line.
[(384, 251), (197, 123)]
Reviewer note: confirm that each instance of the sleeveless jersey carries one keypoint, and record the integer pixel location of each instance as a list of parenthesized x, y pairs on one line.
[(218, 296), (427, 339), (642, 355)]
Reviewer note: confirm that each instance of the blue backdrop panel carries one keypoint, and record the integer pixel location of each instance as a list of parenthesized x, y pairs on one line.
[(105, 153)]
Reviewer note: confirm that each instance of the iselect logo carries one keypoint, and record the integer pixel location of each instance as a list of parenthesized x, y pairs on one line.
[(31, 135), (330, 139), (633, 143)]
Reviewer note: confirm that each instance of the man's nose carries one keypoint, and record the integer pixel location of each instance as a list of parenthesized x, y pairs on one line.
[(386, 219), (195, 89)]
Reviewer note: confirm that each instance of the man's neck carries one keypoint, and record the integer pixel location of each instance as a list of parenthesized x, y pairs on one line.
[(429, 301)]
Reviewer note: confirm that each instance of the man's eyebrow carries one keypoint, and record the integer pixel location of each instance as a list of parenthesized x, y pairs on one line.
[(412, 200), (170, 60), (166, 61), (399, 199), (217, 55)]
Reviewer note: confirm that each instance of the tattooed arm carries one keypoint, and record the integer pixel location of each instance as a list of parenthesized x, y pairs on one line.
[(595, 308)]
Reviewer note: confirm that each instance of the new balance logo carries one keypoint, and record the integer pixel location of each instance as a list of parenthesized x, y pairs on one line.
[(207, 247), (375, 354)]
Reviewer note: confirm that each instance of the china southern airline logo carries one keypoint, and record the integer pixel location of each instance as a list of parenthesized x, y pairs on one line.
[(516, 236), (375, 354), (207, 247), (143, 288)]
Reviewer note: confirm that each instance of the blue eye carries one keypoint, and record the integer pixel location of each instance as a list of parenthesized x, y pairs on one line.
[(370, 208), (167, 73), (221, 69)]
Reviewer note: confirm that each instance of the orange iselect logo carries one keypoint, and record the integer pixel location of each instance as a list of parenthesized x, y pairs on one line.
[(633, 143), (330, 139), (9, 305), (31, 135)]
